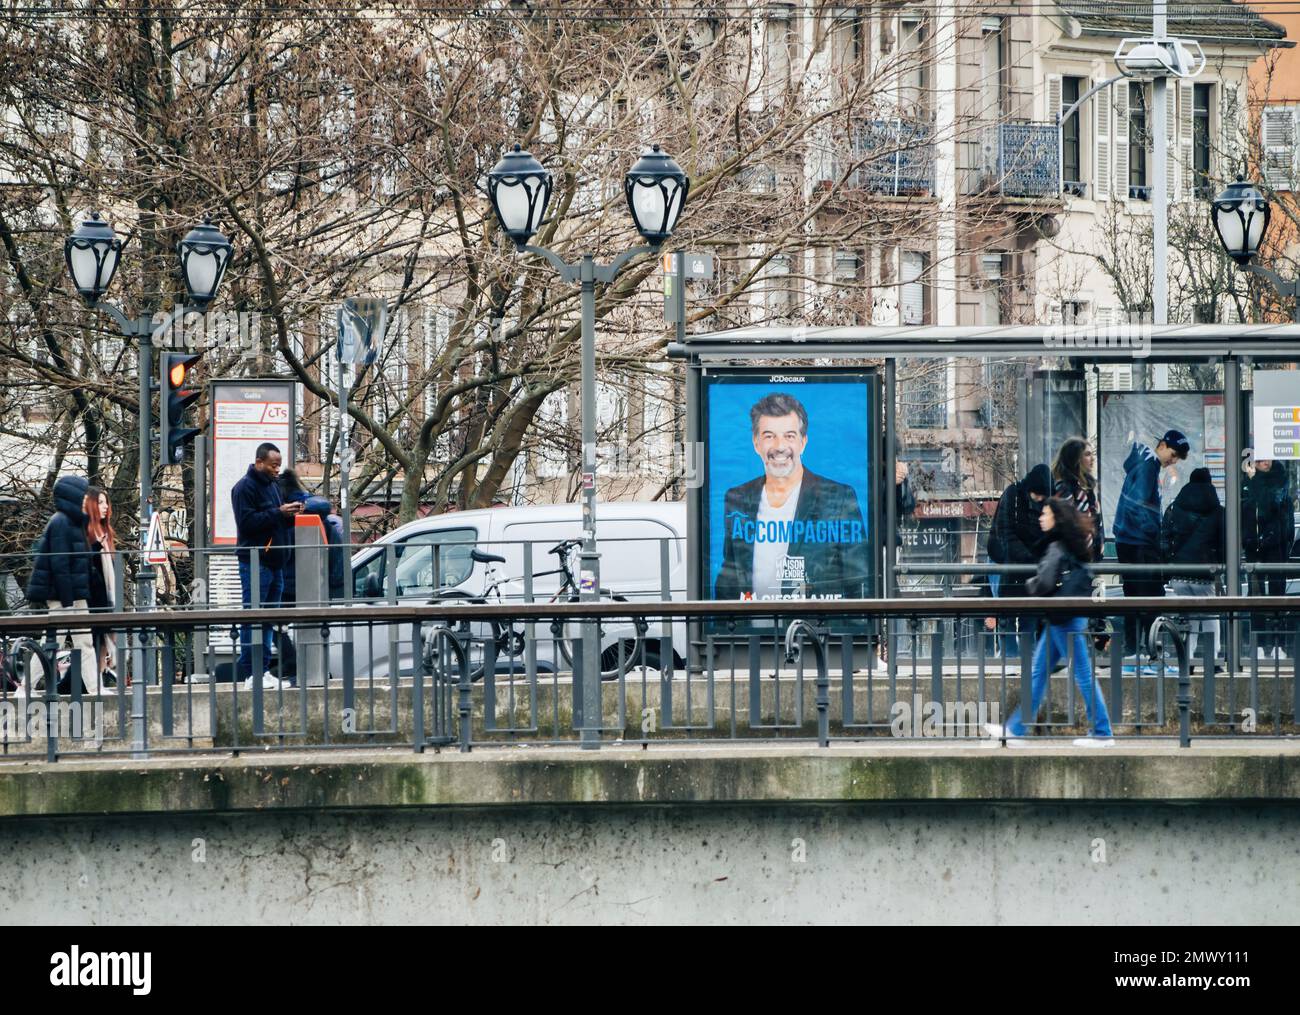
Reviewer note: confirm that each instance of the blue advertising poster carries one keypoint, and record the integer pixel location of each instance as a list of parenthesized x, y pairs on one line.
[(788, 506)]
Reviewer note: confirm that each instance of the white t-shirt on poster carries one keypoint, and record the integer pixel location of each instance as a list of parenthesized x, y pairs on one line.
[(769, 557)]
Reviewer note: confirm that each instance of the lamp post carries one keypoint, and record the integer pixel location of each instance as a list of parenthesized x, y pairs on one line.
[(519, 189), (1241, 216), (92, 254)]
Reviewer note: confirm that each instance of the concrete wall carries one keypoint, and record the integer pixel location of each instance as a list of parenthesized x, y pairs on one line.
[(877, 864), (1141, 834)]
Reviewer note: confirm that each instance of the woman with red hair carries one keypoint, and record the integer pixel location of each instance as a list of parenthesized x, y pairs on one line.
[(99, 538)]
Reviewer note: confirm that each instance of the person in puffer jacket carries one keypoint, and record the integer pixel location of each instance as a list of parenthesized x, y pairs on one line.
[(1063, 571), (1192, 533), (291, 490), (1137, 525), (61, 572)]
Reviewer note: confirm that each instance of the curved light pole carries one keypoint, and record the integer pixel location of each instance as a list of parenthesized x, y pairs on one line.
[(92, 254), (519, 188), (1241, 216)]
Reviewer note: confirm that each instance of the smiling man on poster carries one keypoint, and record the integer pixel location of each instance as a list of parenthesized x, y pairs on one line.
[(790, 533)]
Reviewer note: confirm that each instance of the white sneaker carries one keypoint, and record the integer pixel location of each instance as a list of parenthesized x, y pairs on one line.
[(269, 681), (1279, 653), (993, 730), (1260, 653), (1094, 742)]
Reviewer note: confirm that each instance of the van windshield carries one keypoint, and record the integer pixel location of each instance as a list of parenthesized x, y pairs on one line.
[(415, 564)]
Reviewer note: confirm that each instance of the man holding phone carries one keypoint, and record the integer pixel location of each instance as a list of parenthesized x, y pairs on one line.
[(261, 519)]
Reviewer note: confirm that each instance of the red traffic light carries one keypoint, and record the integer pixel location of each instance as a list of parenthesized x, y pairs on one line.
[(176, 374)]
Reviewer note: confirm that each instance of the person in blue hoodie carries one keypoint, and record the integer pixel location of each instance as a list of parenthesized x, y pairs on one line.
[(1137, 523), (292, 491), (261, 520)]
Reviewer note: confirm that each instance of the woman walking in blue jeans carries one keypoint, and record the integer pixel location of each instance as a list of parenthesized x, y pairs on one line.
[(1063, 571)]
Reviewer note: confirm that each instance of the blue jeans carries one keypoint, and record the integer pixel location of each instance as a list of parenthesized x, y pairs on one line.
[(1054, 644), (271, 582), (1006, 625)]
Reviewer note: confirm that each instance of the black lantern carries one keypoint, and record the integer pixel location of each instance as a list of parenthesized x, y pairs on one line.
[(204, 254), (1240, 215), (91, 254), (519, 188), (656, 190)]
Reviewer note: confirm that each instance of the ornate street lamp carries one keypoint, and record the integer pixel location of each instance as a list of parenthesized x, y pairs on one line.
[(656, 190), (91, 254), (519, 188), (204, 254), (1240, 216)]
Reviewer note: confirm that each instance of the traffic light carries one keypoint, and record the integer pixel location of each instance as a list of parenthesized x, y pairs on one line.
[(174, 399)]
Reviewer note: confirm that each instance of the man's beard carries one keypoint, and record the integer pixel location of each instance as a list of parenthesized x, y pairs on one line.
[(780, 466)]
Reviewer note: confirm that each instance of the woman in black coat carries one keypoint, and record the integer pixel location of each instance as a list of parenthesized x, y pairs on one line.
[(60, 578)]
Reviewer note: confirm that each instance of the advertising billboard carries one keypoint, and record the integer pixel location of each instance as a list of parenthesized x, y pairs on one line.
[(789, 457)]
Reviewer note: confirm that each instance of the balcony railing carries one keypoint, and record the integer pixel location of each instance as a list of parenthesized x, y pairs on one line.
[(1022, 160), (904, 156)]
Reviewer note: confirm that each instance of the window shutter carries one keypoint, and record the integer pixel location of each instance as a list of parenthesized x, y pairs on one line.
[(1171, 141), (1101, 147), (1186, 126), (1053, 116), (1121, 141), (1278, 128), (913, 290), (1230, 138)]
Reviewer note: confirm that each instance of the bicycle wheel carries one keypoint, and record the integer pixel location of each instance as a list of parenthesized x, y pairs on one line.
[(622, 641), (441, 661)]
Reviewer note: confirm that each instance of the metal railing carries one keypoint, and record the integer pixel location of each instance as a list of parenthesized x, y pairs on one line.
[(1022, 159), (905, 163), (440, 675)]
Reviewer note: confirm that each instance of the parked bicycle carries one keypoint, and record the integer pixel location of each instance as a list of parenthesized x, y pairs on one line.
[(626, 651)]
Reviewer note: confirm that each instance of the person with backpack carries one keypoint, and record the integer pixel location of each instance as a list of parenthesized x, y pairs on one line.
[(1267, 535), (1063, 571), (292, 491), (1015, 538), (61, 573), (1192, 533), (1137, 525)]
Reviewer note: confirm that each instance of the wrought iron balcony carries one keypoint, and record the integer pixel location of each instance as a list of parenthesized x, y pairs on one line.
[(905, 163), (1021, 160)]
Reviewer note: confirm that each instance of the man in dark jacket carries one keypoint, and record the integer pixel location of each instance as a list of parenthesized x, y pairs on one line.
[(790, 533), (1015, 537), (261, 520), (1192, 533), (61, 571), (1267, 535), (1137, 524)]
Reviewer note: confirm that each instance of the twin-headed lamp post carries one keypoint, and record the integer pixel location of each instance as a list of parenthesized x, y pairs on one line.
[(519, 188), (92, 254)]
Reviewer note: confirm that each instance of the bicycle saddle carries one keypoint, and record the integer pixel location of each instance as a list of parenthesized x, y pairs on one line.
[(485, 558)]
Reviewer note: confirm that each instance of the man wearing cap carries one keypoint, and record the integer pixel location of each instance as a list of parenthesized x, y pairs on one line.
[(1137, 523)]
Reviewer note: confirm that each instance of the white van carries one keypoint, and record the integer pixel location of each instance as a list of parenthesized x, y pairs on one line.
[(634, 538)]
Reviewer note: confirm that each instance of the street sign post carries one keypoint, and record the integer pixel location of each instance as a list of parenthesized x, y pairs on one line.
[(361, 322)]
